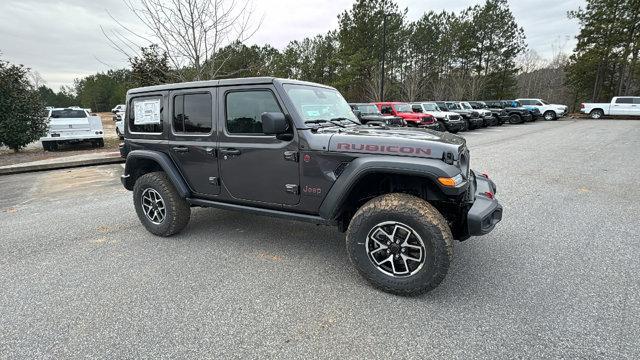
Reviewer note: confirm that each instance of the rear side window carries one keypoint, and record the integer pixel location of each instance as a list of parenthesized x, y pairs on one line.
[(625, 100), (146, 114), (192, 113), (245, 108), (636, 100)]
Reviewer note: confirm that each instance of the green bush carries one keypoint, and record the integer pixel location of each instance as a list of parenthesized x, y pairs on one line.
[(21, 109)]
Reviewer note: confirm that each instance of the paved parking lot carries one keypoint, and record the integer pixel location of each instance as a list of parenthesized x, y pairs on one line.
[(80, 277)]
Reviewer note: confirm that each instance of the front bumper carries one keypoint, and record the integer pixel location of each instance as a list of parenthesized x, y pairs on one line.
[(486, 211), (433, 126), (454, 125)]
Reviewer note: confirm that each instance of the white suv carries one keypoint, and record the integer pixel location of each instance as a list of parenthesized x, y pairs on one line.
[(72, 125), (548, 111)]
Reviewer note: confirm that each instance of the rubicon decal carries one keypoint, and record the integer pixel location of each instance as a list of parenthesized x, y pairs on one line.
[(384, 149)]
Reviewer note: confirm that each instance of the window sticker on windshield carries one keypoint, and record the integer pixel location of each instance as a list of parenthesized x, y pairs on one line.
[(146, 112)]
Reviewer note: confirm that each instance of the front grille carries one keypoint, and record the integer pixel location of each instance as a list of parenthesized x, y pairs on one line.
[(428, 120), (454, 117)]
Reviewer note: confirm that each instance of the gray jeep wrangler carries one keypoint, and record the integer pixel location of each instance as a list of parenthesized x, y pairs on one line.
[(295, 150)]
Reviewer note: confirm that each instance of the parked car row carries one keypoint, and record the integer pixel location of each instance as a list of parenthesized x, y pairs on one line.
[(455, 116)]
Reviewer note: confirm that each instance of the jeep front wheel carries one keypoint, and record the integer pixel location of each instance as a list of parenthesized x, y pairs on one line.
[(159, 206), (400, 244)]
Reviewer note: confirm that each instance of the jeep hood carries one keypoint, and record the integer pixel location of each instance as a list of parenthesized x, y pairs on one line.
[(395, 141)]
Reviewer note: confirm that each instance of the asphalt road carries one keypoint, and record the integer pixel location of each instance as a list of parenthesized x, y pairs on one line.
[(558, 278)]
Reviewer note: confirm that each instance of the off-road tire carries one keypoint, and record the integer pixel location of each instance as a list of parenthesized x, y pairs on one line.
[(120, 136), (178, 211), (421, 217), (443, 127), (596, 114), (515, 119), (550, 115)]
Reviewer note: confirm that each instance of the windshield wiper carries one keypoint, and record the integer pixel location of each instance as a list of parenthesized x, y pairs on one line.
[(343, 119), (323, 121)]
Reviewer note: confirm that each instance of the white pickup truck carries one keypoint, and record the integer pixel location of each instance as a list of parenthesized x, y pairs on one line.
[(549, 111), (72, 125), (619, 106)]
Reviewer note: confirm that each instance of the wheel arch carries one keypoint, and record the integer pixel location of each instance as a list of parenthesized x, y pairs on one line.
[(404, 172), (140, 162)]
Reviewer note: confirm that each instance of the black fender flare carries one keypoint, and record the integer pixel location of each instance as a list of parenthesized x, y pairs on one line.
[(164, 161), (362, 166)]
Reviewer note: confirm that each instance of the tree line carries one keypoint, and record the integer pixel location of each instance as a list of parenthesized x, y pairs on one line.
[(477, 53)]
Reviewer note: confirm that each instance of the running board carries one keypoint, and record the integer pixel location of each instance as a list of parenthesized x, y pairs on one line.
[(261, 211)]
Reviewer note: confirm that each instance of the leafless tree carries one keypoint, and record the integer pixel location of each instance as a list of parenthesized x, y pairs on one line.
[(190, 32), (35, 78)]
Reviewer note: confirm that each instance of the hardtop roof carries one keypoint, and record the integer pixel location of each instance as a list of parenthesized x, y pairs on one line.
[(221, 82)]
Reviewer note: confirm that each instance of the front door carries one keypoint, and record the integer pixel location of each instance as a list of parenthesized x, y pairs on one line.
[(192, 143), (254, 166)]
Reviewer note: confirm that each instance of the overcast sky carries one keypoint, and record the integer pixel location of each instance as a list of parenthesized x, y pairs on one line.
[(62, 40)]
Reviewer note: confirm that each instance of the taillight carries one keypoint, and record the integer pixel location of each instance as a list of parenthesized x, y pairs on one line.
[(489, 194)]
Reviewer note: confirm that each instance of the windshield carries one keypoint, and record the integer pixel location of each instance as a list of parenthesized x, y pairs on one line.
[(316, 103), (544, 102), (403, 108), (68, 114), (430, 107), (466, 105), (368, 109), (515, 104)]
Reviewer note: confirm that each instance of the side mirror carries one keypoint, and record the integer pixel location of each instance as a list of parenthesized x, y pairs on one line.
[(274, 123), (357, 113)]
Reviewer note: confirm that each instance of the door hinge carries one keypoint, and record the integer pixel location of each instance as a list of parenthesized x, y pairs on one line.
[(291, 156), (214, 180), (291, 189)]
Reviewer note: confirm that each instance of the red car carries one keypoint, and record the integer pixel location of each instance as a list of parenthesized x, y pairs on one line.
[(404, 111)]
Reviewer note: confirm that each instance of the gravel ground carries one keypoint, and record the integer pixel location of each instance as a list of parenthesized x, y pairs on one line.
[(558, 278)]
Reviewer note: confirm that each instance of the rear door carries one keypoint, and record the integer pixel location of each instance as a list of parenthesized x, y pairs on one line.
[(635, 107), (193, 140), (622, 105), (256, 167)]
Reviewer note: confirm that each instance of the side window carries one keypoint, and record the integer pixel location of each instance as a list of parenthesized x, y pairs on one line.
[(386, 109), (146, 114), (636, 100), (624, 100), (245, 108), (416, 108), (192, 113)]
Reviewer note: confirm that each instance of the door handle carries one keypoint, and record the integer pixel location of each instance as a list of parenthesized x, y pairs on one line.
[(180, 149), (230, 151)]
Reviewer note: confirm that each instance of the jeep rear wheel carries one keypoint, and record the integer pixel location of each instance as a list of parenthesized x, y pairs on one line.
[(159, 206), (400, 244)]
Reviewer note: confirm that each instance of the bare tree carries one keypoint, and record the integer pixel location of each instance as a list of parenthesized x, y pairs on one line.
[(35, 78), (190, 32)]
